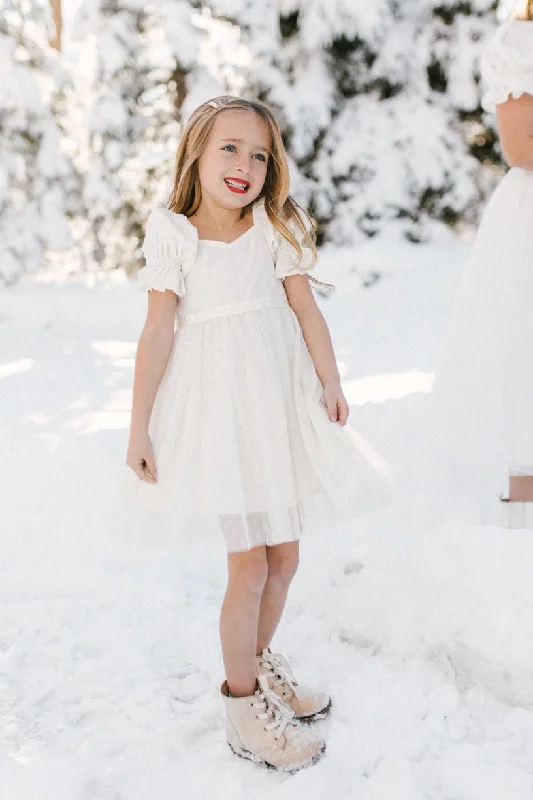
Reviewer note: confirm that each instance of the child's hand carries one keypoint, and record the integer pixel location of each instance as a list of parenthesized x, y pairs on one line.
[(335, 402), (141, 459)]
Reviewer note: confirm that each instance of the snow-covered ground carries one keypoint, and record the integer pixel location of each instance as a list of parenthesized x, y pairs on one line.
[(109, 656)]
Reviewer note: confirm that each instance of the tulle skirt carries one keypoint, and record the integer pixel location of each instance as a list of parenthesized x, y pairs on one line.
[(482, 407), (243, 442)]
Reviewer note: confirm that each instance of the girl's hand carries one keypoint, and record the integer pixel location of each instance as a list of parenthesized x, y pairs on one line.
[(141, 459), (335, 402)]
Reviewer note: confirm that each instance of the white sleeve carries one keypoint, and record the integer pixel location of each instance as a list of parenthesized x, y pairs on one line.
[(287, 261), (507, 64), (163, 254)]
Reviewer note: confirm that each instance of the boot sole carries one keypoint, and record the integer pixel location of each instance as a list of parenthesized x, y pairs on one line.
[(242, 753), (322, 714)]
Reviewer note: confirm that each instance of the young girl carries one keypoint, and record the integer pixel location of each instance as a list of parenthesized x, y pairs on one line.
[(245, 412), (484, 395)]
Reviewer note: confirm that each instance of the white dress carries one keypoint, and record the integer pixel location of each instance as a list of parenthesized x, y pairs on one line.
[(241, 435), (483, 396)]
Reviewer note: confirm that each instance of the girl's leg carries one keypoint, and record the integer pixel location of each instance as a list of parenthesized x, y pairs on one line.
[(521, 488), (247, 576), (306, 704), (282, 565)]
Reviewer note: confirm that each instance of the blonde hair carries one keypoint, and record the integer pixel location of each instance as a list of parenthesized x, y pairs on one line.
[(280, 207), (524, 11)]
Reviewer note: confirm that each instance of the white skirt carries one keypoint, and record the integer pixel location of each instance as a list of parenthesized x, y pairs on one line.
[(482, 415), (243, 442)]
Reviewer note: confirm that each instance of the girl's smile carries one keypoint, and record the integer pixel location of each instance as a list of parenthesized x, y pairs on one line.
[(237, 185)]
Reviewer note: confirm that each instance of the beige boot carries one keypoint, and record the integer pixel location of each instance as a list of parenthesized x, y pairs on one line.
[(261, 728), (306, 704)]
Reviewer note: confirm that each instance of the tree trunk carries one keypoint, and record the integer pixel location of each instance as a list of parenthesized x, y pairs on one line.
[(55, 41)]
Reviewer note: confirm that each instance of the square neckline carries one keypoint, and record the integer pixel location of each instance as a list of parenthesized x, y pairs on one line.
[(219, 241), (227, 244)]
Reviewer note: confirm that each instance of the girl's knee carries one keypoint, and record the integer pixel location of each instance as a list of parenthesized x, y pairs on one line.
[(249, 571), (283, 565)]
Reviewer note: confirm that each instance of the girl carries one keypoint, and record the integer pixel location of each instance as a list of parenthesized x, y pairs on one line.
[(485, 393), (246, 427)]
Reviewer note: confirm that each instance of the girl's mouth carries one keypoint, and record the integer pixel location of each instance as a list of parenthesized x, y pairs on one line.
[(237, 185)]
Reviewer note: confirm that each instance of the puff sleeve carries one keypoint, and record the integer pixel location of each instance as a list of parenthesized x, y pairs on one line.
[(507, 64), (285, 256), (287, 261), (169, 249)]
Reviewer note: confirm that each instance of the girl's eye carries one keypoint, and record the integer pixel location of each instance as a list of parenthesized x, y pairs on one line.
[(231, 148)]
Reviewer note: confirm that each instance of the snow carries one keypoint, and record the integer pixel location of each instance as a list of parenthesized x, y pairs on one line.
[(109, 655)]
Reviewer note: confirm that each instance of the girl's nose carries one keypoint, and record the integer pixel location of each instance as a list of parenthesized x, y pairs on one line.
[(243, 164)]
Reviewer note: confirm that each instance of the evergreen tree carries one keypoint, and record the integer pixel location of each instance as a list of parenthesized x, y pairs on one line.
[(380, 106), (146, 67), (39, 186)]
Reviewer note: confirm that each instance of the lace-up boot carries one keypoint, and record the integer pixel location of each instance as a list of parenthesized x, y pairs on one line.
[(262, 728), (306, 704)]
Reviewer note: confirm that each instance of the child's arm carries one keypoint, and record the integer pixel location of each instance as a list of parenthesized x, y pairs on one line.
[(515, 125), (318, 340), (153, 352)]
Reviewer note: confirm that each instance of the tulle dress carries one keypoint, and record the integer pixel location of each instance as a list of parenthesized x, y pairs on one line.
[(241, 436), (483, 395)]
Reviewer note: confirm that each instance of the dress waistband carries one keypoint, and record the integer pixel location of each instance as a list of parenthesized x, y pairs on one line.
[(233, 308)]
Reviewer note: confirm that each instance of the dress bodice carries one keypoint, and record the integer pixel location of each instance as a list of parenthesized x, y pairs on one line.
[(212, 277), (228, 275)]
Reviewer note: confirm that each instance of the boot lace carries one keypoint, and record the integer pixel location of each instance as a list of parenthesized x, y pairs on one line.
[(273, 709), (282, 674)]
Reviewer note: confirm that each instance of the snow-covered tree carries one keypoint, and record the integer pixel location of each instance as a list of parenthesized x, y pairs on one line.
[(134, 80), (38, 182), (379, 103)]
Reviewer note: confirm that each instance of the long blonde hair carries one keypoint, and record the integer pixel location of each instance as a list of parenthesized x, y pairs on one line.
[(524, 11), (280, 207)]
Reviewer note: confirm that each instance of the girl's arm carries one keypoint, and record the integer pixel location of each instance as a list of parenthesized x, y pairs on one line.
[(515, 124), (318, 340), (153, 352)]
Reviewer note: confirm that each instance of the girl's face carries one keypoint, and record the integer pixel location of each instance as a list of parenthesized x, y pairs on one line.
[(232, 169)]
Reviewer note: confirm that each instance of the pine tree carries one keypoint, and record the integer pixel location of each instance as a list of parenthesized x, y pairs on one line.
[(144, 57), (379, 104), (38, 180)]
